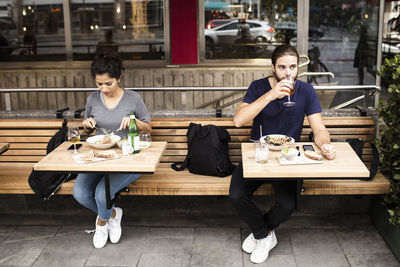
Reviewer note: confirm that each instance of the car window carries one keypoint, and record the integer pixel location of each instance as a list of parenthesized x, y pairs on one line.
[(232, 26), (254, 25)]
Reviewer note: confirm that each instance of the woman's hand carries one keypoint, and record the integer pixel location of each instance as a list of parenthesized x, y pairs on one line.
[(88, 125), (125, 123)]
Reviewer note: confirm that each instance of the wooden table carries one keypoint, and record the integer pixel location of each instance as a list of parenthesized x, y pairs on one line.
[(61, 160), (346, 165), (4, 147)]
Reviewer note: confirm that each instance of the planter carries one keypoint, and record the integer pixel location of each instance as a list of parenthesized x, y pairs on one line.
[(390, 233)]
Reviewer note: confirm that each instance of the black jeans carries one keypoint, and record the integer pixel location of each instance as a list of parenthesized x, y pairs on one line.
[(240, 193)]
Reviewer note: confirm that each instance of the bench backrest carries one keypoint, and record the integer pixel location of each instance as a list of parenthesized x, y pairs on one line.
[(28, 138), (173, 130)]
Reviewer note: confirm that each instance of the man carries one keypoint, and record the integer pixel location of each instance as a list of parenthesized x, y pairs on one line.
[(263, 103)]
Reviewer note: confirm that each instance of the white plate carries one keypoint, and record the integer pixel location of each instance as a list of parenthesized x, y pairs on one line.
[(275, 147), (299, 160), (92, 141)]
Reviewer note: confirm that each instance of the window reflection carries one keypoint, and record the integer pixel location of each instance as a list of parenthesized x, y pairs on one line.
[(247, 29), (133, 28), (343, 40), (31, 30)]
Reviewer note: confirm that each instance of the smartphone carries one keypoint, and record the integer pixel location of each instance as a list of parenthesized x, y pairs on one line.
[(308, 147), (77, 147)]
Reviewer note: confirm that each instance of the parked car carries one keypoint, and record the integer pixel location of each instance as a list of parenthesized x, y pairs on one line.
[(216, 22), (260, 31)]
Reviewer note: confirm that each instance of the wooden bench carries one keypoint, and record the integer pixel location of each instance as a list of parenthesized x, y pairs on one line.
[(28, 139), (166, 181)]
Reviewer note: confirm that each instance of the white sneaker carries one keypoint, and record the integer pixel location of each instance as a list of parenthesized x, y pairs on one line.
[(100, 236), (260, 253), (249, 244), (114, 226)]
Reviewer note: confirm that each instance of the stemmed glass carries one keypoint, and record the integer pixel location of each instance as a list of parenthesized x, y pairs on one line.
[(74, 136), (291, 82), (145, 139)]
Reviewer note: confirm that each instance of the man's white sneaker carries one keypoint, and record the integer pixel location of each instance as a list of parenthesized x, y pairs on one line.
[(260, 253), (249, 244), (100, 236), (114, 226)]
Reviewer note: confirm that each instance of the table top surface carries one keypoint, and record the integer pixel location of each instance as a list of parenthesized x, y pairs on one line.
[(61, 159), (4, 147), (346, 165)]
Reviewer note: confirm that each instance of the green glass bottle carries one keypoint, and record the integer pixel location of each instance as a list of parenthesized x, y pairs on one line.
[(133, 134)]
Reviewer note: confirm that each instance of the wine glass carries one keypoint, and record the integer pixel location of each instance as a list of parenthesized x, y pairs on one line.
[(145, 139), (74, 136), (291, 82)]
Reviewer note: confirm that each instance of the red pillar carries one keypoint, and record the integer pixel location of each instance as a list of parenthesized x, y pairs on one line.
[(183, 28)]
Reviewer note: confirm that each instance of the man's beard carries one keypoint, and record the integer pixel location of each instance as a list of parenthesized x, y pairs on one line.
[(280, 79)]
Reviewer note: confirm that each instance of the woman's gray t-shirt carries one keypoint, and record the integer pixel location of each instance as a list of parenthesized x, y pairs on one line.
[(110, 119)]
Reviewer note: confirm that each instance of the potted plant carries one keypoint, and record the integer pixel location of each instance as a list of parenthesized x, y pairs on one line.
[(387, 217)]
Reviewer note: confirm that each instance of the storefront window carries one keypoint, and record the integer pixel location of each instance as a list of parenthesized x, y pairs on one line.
[(246, 28), (31, 30), (343, 40), (132, 28)]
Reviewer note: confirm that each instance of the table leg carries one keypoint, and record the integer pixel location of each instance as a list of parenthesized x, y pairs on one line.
[(298, 192), (109, 201)]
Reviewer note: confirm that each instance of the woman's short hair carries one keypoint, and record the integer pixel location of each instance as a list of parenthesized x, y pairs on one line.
[(284, 50), (107, 64)]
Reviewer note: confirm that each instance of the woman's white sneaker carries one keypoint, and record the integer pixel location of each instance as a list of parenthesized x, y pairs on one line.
[(261, 252), (249, 244), (100, 236), (114, 226)]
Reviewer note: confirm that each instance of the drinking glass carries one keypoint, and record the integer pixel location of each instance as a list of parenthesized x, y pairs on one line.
[(261, 152), (291, 82), (74, 137), (145, 139)]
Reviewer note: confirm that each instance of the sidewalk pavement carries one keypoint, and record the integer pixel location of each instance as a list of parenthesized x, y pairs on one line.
[(60, 240)]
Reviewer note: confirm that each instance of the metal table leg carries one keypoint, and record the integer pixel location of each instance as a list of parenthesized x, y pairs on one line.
[(299, 189), (109, 201)]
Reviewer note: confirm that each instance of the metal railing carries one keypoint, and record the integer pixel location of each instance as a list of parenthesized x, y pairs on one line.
[(372, 89)]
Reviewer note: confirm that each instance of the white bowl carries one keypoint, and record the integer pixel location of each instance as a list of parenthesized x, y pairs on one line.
[(290, 153), (93, 141), (277, 147)]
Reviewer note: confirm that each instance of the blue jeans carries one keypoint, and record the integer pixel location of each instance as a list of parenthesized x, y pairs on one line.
[(89, 190)]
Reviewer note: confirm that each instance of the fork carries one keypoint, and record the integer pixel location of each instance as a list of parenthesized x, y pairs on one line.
[(101, 129), (113, 132)]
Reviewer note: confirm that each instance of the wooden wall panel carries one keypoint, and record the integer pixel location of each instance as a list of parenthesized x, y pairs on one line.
[(157, 77)]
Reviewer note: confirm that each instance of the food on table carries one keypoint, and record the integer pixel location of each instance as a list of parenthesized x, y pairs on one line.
[(277, 140), (312, 155), (88, 156), (105, 154), (105, 140), (289, 153)]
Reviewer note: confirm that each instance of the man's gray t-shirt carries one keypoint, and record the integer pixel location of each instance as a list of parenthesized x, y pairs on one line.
[(110, 119)]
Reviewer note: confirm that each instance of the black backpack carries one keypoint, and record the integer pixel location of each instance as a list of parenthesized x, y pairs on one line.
[(207, 151), (45, 184)]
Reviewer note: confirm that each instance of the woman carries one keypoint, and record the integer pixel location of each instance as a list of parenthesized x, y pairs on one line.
[(108, 108)]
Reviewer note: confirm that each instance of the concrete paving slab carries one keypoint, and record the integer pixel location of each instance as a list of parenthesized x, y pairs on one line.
[(5, 231), (375, 260), (319, 254), (276, 261), (361, 241), (71, 246), (164, 259), (312, 236), (25, 244), (217, 247)]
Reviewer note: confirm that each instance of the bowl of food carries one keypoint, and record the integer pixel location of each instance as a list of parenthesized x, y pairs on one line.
[(277, 141), (103, 141), (289, 153)]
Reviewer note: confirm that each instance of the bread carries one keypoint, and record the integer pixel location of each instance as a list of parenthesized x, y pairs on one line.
[(105, 154), (88, 156), (312, 155)]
